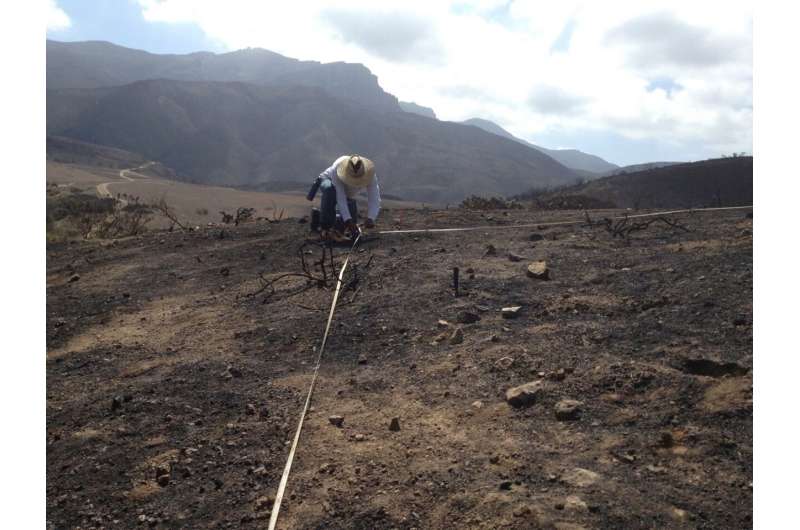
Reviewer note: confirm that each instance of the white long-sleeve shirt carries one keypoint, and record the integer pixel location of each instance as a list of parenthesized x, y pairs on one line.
[(343, 191)]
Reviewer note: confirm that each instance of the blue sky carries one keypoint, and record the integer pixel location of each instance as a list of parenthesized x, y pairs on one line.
[(628, 81), (121, 22)]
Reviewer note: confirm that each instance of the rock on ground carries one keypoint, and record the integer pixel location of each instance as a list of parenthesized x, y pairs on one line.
[(568, 409), (524, 395), (538, 270), (580, 477)]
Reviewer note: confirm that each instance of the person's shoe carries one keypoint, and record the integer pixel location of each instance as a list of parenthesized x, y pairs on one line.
[(333, 235)]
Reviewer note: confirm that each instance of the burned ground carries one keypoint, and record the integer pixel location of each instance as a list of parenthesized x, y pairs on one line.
[(172, 394)]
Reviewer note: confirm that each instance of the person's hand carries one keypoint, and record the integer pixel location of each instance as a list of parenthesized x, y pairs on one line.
[(369, 223), (351, 226)]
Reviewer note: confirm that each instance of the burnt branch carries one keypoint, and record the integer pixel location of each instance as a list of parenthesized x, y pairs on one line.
[(624, 227), (167, 211)]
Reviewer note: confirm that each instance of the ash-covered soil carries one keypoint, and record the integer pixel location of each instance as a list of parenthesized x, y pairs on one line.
[(173, 394)]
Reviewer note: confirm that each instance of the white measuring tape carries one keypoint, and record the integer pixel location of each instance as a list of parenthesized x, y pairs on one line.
[(285, 477), (552, 223)]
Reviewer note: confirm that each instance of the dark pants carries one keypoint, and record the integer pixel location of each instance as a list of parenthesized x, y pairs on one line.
[(328, 205)]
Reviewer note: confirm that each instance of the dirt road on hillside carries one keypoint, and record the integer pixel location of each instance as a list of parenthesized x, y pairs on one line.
[(104, 192)]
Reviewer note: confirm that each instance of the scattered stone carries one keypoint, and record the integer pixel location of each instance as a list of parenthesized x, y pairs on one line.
[(535, 237), (506, 485), (232, 371), (477, 404), (225, 271), (522, 511), (504, 363), (666, 439), (511, 312), (457, 337), (362, 359), (336, 421), (163, 480), (470, 270), (263, 503), (442, 323), (466, 317), (568, 409), (524, 395), (494, 338), (250, 409), (163, 469), (394, 425), (678, 514), (559, 375), (74, 278), (359, 437), (116, 403), (580, 477), (573, 502), (514, 257), (538, 270), (490, 251)]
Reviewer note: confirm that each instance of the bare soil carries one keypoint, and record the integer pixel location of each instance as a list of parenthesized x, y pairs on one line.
[(194, 204), (173, 394)]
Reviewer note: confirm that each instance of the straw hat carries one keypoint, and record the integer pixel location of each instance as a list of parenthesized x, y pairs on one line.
[(356, 171)]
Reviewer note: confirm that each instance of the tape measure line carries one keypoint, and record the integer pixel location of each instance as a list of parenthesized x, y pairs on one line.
[(552, 223), (273, 519)]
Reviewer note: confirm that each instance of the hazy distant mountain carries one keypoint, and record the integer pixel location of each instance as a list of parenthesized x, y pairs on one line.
[(572, 158), (94, 64), (639, 167), (264, 136), (417, 109)]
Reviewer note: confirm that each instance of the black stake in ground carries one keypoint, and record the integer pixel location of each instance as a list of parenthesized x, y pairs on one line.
[(455, 281)]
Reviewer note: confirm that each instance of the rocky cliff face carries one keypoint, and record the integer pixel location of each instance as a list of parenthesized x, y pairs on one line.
[(79, 65), (417, 109)]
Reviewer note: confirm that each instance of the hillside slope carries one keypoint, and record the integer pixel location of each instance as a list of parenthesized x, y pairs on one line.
[(257, 136), (709, 183)]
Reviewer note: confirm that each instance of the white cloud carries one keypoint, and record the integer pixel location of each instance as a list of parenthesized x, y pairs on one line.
[(493, 59), (57, 19)]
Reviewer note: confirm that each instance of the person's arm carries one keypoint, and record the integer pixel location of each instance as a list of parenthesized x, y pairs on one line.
[(373, 199), (341, 197), (330, 172)]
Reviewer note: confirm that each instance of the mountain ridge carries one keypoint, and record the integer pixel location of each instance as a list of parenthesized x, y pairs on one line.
[(96, 64), (242, 134), (572, 158)]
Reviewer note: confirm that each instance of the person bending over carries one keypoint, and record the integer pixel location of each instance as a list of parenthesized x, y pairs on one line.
[(339, 185)]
